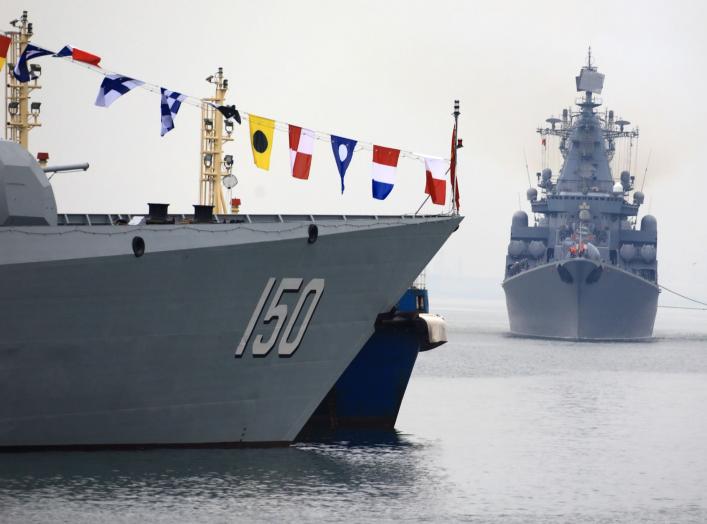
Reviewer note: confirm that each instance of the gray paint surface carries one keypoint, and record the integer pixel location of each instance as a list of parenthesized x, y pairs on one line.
[(125, 350), (102, 347), (617, 306)]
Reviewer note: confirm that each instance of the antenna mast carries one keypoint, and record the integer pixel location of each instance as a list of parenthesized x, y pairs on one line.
[(214, 165), (456, 145), (21, 116)]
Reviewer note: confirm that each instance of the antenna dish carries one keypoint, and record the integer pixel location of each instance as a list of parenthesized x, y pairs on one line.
[(622, 123), (552, 121)]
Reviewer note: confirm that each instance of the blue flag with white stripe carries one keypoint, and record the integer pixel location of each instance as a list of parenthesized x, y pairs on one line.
[(343, 149), (21, 71), (169, 106), (113, 87)]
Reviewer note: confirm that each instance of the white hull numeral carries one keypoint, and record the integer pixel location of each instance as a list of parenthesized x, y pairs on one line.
[(279, 313)]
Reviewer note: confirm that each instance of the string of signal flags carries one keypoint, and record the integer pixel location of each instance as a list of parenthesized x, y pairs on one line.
[(439, 172)]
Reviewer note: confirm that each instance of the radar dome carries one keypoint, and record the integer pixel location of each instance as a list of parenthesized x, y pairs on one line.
[(516, 248), (520, 219), (649, 223), (546, 174), (536, 248), (638, 198), (618, 188), (532, 194), (625, 180), (648, 253), (628, 252)]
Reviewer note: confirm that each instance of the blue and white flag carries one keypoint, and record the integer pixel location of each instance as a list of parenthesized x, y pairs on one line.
[(113, 87), (21, 71), (343, 149), (170, 104)]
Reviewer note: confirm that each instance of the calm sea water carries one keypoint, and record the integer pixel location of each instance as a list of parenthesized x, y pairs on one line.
[(493, 429)]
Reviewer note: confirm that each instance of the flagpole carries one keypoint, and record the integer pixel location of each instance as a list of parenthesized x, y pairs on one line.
[(455, 145)]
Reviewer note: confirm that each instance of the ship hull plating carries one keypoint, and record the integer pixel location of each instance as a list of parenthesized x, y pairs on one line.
[(578, 299), (100, 347)]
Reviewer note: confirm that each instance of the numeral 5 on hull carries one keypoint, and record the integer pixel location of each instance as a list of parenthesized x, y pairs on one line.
[(279, 313)]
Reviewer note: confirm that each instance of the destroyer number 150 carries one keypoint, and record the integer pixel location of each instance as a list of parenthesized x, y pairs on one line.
[(283, 317)]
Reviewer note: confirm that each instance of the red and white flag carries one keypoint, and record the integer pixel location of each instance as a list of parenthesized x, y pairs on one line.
[(301, 149), (436, 179)]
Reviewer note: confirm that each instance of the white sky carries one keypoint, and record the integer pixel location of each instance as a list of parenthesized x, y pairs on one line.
[(383, 72)]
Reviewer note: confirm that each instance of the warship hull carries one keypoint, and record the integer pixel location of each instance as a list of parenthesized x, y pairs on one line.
[(102, 348), (579, 299)]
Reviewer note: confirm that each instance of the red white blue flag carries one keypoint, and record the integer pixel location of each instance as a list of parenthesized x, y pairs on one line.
[(385, 162)]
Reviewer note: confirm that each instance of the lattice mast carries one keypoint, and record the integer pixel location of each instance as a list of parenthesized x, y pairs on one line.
[(215, 132), (612, 129), (21, 115)]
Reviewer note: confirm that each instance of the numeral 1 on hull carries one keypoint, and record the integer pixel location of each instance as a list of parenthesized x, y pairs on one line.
[(279, 313)]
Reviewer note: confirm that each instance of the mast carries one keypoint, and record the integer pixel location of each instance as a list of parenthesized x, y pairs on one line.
[(456, 145), (214, 166), (21, 115)]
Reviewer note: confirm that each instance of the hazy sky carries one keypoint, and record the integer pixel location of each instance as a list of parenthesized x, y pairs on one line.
[(383, 72)]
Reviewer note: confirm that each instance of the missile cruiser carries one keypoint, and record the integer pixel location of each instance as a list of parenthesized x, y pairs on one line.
[(584, 270), (201, 329)]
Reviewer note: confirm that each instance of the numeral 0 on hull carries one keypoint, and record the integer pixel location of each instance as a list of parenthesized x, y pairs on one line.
[(279, 313)]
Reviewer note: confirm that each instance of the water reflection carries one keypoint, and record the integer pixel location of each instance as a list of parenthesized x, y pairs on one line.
[(305, 479)]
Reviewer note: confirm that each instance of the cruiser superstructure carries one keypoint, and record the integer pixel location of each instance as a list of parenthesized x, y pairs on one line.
[(585, 269)]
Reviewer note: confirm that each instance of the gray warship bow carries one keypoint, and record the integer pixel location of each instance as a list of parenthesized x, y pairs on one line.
[(121, 330)]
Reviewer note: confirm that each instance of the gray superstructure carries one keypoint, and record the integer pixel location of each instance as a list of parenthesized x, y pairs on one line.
[(176, 332), (584, 270)]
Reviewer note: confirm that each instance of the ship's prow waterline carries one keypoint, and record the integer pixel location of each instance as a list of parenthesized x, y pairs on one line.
[(101, 347), (601, 303)]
